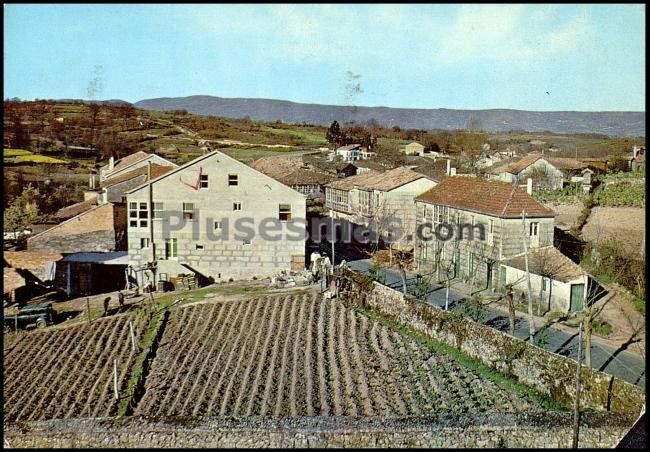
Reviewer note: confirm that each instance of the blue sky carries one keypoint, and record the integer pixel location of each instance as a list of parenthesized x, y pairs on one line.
[(534, 57)]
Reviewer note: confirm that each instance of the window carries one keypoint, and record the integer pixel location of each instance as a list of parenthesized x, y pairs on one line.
[(217, 224), (199, 247), (247, 242), (138, 214), (544, 284), (157, 210), (203, 181), (233, 179), (236, 206), (188, 210), (534, 226), (285, 212), (491, 226), (171, 248), (144, 242)]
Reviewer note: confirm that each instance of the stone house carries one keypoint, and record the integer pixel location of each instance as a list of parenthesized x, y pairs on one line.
[(466, 226), (100, 228), (353, 152), (375, 198), (213, 217), (546, 172)]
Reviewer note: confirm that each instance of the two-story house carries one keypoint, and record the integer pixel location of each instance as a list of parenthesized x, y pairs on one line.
[(129, 163), (474, 230), (375, 198), (217, 217)]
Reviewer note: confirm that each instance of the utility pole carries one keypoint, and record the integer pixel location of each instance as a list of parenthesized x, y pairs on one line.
[(531, 320), (576, 403), (151, 241), (333, 236), (132, 335), (115, 379)]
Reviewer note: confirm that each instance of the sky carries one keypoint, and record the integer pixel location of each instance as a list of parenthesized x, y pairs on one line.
[(531, 57)]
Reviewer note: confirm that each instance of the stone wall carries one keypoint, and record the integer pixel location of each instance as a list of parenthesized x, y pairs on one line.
[(549, 373), (552, 430)]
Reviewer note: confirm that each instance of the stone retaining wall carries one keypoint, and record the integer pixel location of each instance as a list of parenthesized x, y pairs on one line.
[(502, 430), (549, 373)]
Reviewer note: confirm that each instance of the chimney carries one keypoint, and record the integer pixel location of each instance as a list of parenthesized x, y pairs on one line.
[(448, 167), (452, 172), (91, 179), (529, 186), (111, 163)]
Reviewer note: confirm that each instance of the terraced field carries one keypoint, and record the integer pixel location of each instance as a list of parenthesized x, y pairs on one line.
[(298, 355), (68, 372)]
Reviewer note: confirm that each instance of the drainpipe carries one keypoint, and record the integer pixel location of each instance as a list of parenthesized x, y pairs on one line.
[(151, 242)]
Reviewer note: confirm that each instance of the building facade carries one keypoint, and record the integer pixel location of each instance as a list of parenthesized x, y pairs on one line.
[(478, 223), (224, 220), (377, 198)]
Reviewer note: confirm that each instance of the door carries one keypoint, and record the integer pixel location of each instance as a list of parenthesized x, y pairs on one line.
[(503, 276), (577, 297)]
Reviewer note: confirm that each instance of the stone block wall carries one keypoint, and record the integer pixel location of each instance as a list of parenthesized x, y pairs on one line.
[(552, 430), (549, 373)]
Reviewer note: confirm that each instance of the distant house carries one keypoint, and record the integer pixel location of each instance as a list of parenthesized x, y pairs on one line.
[(365, 166), (98, 224), (546, 172), (27, 272), (413, 148), (374, 197), (636, 161), (349, 153), (292, 172)]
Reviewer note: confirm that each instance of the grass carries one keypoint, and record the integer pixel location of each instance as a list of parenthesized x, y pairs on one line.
[(639, 304), (33, 158), (250, 154), (481, 369), (15, 152)]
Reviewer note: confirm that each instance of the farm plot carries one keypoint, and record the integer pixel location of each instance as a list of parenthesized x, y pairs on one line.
[(298, 355), (68, 372)]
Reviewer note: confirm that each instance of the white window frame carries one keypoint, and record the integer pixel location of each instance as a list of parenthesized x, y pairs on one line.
[(171, 241), (187, 211), (233, 180), (280, 212), (144, 243), (157, 210), (138, 214), (533, 228), (236, 206), (203, 181)]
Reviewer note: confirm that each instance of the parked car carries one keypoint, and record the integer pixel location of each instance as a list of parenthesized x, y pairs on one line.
[(38, 315)]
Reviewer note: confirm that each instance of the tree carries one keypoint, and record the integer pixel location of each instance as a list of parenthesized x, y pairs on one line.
[(333, 134), (21, 212), (20, 135), (618, 163)]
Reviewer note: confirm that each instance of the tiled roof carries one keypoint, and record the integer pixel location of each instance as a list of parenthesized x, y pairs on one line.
[(11, 280), (547, 261), (75, 209), (516, 166), (156, 170), (348, 147), (436, 170), (369, 164), (276, 166), (565, 163), (30, 260), (375, 180), (489, 197), (129, 160)]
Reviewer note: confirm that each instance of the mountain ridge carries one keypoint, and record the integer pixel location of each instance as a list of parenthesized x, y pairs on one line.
[(612, 123)]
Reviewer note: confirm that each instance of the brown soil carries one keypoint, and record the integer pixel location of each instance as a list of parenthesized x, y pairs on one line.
[(624, 223)]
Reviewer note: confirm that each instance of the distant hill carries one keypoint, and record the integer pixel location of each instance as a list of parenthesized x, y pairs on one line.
[(610, 123), (103, 102)]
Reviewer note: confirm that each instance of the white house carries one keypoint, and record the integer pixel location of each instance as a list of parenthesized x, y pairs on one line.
[(224, 220), (129, 163)]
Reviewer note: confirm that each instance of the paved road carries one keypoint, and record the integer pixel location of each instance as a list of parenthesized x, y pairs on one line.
[(626, 365)]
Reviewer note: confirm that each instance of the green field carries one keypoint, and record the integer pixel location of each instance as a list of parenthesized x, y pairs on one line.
[(18, 156)]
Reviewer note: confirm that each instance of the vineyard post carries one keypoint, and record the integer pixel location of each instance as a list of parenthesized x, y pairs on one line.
[(115, 378), (132, 335), (88, 309)]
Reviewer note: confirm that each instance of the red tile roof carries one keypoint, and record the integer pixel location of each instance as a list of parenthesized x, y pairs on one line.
[(156, 170), (500, 199), (517, 166), (11, 280)]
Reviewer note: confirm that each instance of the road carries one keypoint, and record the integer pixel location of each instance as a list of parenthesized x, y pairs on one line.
[(563, 340)]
